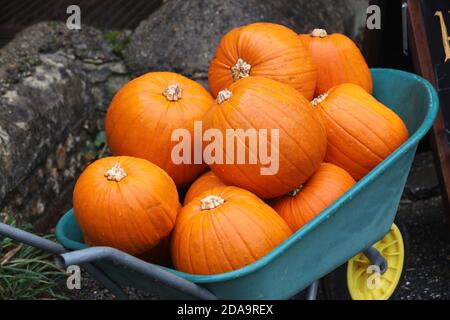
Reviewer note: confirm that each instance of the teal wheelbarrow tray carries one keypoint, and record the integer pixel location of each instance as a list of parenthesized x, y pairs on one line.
[(351, 225)]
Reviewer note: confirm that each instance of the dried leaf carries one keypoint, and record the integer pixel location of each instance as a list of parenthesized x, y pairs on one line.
[(60, 157), (10, 254)]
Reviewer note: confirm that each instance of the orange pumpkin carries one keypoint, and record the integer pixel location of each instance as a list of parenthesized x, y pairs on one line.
[(205, 182), (263, 49), (361, 131), (304, 203), (144, 114), (338, 61), (280, 120), (126, 203), (224, 229)]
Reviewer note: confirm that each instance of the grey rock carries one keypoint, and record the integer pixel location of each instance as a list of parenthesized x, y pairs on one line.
[(182, 35), (23, 53), (55, 86), (99, 75), (37, 112)]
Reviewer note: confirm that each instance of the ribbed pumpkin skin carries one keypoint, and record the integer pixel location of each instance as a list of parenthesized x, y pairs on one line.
[(338, 61), (205, 182), (272, 50), (361, 131), (140, 121), (133, 214), (231, 236), (324, 187), (260, 103)]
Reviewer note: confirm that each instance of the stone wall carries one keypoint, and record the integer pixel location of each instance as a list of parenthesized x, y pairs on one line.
[(55, 87)]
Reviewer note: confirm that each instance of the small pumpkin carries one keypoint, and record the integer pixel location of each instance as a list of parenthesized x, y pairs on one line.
[(224, 229), (338, 61), (361, 131), (205, 182), (126, 203), (145, 112), (295, 137), (304, 203), (263, 49)]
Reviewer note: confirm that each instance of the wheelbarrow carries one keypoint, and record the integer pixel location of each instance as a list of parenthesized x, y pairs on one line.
[(356, 232)]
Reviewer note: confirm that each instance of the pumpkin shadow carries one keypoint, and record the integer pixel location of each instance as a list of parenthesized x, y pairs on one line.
[(160, 254)]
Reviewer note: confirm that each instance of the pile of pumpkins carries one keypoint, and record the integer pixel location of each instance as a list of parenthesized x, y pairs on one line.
[(314, 88)]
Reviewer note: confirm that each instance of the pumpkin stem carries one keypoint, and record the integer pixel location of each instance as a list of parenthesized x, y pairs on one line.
[(211, 202), (294, 192), (319, 33), (223, 95), (172, 92), (319, 99), (240, 70), (116, 173)]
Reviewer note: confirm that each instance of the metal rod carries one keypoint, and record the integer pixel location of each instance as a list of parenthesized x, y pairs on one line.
[(405, 27), (376, 258), (55, 248), (150, 270), (31, 239), (311, 292)]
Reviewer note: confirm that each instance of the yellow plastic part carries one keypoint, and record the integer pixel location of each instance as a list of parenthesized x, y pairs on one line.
[(365, 283)]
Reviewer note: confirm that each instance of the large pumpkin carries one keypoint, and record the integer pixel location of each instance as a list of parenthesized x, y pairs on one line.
[(205, 182), (126, 203), (259, 110), (338, 61), (144, 114), (224, 229), (263, 49), (361, 131), (302, 204)]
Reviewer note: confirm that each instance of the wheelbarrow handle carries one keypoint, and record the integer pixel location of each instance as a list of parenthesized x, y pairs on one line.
[(150, 270), (55, 248), (30, 239), (85, 256)]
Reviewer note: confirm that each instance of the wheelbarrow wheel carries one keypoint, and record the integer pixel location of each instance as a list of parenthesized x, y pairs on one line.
[(352, 280)]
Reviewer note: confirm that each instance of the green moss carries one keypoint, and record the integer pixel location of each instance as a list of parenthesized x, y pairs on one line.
[(30, 61), (112, 36), (118, 40), (54, 24)]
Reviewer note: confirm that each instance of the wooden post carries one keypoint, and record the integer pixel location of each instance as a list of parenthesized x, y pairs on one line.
[(425, 66)]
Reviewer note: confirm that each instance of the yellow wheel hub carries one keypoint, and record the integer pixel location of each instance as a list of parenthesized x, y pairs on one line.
[(362, 280)]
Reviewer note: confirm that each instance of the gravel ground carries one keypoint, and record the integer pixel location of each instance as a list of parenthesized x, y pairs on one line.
[(91, 290), (427, 273)]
